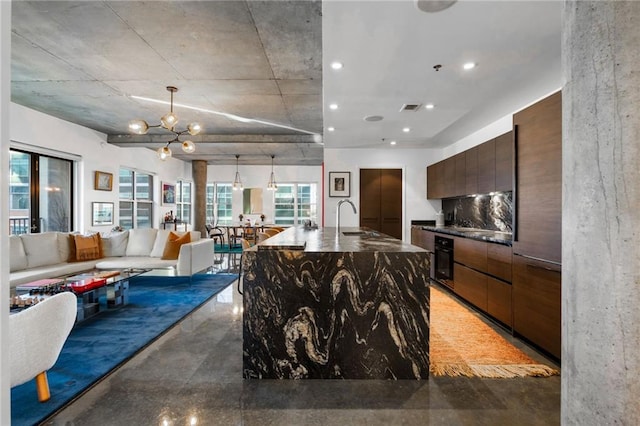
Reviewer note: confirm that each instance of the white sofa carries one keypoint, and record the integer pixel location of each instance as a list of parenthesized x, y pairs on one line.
[(46, 255)]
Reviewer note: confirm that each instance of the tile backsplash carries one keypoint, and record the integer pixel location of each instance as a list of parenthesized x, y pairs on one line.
[(493, 212)]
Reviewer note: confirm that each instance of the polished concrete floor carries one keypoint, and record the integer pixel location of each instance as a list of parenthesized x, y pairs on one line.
[(193, 375)]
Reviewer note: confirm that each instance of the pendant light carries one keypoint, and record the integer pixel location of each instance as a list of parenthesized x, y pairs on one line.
[(237, 182), (168, 122), (272, 186)]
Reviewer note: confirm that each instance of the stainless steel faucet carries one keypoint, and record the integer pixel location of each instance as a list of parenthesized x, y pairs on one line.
[(340, 203)]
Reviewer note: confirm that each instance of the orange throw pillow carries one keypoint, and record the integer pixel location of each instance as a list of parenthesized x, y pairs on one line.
[(86, 247), (172, 247)]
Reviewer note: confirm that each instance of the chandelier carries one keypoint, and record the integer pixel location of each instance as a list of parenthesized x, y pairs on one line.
[(272, 186), (237, 182), (168, 121)]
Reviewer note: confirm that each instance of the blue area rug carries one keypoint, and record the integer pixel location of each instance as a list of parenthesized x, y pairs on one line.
[(100, 344)]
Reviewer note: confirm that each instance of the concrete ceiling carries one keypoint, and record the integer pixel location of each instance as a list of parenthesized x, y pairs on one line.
[(269, 61)]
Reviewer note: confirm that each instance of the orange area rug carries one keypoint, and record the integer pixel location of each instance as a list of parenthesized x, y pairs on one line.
[(461, 344)]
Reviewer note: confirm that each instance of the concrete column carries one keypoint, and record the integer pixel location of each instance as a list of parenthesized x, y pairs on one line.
[(199, 172), (601, 213)]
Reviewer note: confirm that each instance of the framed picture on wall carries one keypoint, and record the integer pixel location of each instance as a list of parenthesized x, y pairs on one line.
[(339, 184), (102, 214), (103, 181), (168, 193)]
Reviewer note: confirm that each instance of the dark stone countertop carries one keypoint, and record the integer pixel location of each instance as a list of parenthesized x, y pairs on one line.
[(498, 237), (350, 239)]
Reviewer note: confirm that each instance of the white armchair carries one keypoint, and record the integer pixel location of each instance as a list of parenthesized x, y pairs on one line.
[(36, 337)]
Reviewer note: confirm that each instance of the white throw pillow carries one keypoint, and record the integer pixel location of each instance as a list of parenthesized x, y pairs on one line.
[(17, 255), (41, 249), (114, 244), (161, 241), (141, 241)]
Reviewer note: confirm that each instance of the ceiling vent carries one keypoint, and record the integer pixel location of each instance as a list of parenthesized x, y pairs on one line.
[(410, 107)]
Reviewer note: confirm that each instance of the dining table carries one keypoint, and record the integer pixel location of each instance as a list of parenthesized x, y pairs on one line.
[(234, 231)]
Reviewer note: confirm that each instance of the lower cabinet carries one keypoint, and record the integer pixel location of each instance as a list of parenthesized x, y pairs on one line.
[(499, 301), (470, 285), (537, 302)]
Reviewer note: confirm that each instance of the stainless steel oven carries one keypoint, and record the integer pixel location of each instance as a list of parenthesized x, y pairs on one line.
[(444, 260)]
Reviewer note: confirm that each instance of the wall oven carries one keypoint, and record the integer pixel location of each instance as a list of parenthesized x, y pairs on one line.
[(444, 260)]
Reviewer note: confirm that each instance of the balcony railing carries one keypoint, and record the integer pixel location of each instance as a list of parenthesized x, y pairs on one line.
[(18, 225)]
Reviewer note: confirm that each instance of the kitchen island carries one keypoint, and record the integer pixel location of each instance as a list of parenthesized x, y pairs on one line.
[(320, 304)]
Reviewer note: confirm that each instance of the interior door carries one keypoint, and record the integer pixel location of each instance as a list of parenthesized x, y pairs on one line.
[(381, 200), (370, 199), (391, 202)]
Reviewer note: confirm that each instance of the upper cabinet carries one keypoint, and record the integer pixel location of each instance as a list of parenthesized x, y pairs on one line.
[(538, 219), (487, 167), (480, 170), (504, 162)]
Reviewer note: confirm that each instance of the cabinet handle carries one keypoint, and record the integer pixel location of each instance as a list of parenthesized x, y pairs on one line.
[(537, 259)]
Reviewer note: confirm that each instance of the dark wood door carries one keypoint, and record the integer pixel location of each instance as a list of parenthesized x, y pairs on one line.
[(381, 200), (434, 181), (370, 198), (391, 202), (538, 194)]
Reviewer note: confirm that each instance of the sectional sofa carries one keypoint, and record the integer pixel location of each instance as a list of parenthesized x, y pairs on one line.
[(51, 254)]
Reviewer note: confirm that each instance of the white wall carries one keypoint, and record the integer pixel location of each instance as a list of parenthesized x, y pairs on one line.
[(35, 131), (413, 162), (258, 177)]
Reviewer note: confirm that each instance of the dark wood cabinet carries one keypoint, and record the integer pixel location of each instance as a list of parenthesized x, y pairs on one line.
[(381, 200), (538, 210), (487, 167), (499, 261), (470, 285), (504, 162), (472, 253), (461, 174), (499, 301), (449, 182), (479, 170), (471, 169), (537, 302), (435, 179), (422, 238)]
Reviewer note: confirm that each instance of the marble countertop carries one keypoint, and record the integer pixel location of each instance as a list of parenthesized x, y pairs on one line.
[(474, 234), (327, 240)]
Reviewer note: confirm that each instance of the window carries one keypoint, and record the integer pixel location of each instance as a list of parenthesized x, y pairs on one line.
[(183, 201), (295, 203), (219, 202), (136, 199), (40, 193)]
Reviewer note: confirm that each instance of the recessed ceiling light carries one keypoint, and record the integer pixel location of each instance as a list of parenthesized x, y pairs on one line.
[(429, 106), (392, 142), (331, 129), (336, 65), (406, 130), (333, 106), (469, 65)]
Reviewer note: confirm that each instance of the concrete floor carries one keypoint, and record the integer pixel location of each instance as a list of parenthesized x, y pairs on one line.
[(193, 375)]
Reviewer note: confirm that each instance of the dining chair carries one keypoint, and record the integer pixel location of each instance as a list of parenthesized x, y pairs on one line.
[(261, 236)]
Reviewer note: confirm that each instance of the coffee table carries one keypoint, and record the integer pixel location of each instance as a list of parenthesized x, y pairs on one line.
[(89, 287)]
